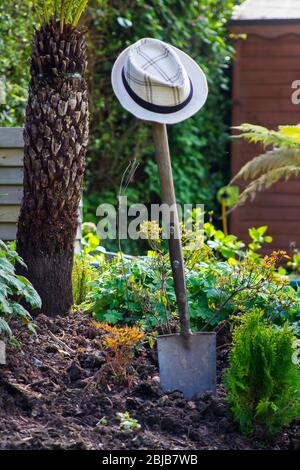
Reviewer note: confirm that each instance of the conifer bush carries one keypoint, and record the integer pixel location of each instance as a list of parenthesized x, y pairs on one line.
[(263, 380)]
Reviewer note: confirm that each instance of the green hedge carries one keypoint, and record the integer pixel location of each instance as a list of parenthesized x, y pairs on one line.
[(199, 146)]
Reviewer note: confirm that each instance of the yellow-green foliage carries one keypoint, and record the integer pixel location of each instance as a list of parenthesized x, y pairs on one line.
[(282, 161), (263, 380), (83, 273), (67, 11)]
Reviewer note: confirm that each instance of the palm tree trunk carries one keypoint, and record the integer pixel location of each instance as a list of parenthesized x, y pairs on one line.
[(55, 139)]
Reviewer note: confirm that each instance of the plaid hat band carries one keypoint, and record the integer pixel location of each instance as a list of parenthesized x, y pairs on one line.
[(155, 78)]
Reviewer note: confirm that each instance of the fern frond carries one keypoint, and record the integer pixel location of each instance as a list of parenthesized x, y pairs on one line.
[(80, 9), (292, 132), (265, 181), (268, 161), (69, 5), (255, 134), (285, 136), (56, 8), (43, 9), (66, 11), (283, 161)]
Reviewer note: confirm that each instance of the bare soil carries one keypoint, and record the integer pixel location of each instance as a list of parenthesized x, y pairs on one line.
[(51, 398)]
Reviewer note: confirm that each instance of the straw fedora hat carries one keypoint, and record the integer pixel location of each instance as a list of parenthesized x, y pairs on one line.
[(158, 82)]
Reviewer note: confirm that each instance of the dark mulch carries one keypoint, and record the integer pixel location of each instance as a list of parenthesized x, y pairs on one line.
[(47, 400)]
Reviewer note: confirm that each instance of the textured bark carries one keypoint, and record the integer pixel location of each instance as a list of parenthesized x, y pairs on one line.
[(55, 139)]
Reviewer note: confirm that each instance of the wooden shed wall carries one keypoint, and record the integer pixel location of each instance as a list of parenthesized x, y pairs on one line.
[(264, 69), (11, 183)]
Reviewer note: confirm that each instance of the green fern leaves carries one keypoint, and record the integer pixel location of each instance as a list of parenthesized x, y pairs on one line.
[(66, 11), (285, 136), (281, 162)]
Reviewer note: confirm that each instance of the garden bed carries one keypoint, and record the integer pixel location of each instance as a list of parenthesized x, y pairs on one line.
[(49, 399)]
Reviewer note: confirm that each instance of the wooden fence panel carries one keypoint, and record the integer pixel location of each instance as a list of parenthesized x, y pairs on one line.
[(263, 73), (11, 183)]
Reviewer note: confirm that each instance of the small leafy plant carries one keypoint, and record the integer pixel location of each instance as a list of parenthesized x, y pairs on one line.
[(263, 381), (13, 290), (86, 265), (120, 344), (294, 264), (259, 237), (126, 422), (91, 247), (228, 247)]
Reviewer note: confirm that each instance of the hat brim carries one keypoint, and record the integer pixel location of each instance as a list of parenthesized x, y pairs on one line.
[(196, 75)]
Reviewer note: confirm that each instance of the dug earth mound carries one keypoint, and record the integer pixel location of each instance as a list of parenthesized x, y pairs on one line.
[(56, 393)]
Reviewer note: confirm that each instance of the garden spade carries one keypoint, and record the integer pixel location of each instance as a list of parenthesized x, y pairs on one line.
[(187, 361)]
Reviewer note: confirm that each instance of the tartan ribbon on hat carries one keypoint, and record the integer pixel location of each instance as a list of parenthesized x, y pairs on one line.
[(154, 77)]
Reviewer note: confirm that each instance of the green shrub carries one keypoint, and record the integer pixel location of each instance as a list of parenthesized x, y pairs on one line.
[(130, 291), (13, 290), (263, 382), (224, 278), (16, 29)]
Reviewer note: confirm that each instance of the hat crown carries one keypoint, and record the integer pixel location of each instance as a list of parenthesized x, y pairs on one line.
[(155, 73)]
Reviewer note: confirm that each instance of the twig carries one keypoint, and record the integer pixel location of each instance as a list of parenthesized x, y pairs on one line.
[(94, 380), (59, 341), (130, 169), (223, 345)]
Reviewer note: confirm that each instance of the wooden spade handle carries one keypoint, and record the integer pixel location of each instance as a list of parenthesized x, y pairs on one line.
[(168, 197)]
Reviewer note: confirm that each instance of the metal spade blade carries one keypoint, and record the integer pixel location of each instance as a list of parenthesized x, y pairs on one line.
[(189, 368)]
